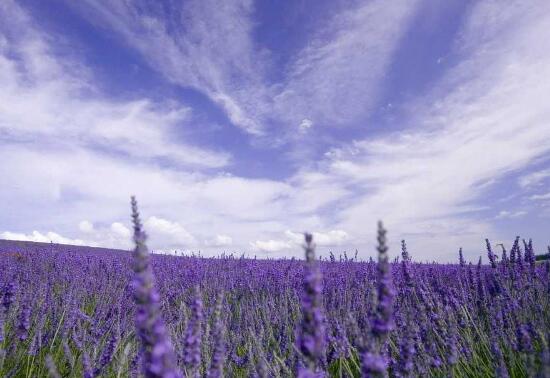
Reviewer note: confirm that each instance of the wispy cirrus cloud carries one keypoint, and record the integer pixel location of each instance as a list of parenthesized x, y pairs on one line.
[(534, 179), (505, 214), (333, 80), (486, 118), (51, 100)]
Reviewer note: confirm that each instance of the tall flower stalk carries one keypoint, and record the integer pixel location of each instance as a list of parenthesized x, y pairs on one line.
[(218, 336), (311, 337), (156, 349), (192, 342), (374, 361)]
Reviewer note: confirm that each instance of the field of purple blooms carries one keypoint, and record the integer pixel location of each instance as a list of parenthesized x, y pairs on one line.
[(85, 312)]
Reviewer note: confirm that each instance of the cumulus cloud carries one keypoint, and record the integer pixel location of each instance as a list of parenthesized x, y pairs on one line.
[(170, 232), (120, 230), (86, 226), (35, 236), (329, 238), (270, 245), (292, 241), (219, 241)]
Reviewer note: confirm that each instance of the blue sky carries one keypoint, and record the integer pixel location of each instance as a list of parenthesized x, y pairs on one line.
[(241, 124)]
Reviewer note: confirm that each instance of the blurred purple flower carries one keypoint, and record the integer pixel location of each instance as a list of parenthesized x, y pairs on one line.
[(311, 335), (156, 349), (192, 342)]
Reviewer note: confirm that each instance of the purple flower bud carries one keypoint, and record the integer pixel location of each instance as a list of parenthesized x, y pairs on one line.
[(491, 255), (461, 258)]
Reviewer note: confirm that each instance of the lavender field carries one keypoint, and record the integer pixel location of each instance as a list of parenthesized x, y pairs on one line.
[(76, 311)]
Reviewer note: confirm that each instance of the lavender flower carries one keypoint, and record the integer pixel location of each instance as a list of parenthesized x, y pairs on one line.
[(52, 369), (504, 258), (490, 254), (373, 366), (515, 247), (383, 322), (87, 371), (311, 337), (218, 335), (24, 321), (524, 341), (9, 295), (407, 352), (405, 264), (461, 260), (530, 254), (192, 343), (500, 366), (107, 354), (156, 348), (374, 363)]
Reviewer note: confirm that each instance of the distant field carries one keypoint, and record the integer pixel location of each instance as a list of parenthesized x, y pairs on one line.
[(77, 311)]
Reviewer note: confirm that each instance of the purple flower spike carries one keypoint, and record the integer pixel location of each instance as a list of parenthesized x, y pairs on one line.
[(374, 362), (24, 321), (9, 296), (52, 369), (311, 337), (87, 371), (461, 260), (490, 254), (383, 322), (156, 349), (373, 366), (218, 334), (405, 264), (192, 343)]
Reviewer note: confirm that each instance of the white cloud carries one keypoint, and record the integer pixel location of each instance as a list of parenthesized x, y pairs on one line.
[(293, 241), (485, 119), (329, 238), (534, 178), (270, 245), (53, 101), (331, 80), (173, 232), (120, 230), (504, 214), (86, 226), (335, 79), (305, 125), (220, 241), (539, 197), (36, 236)]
